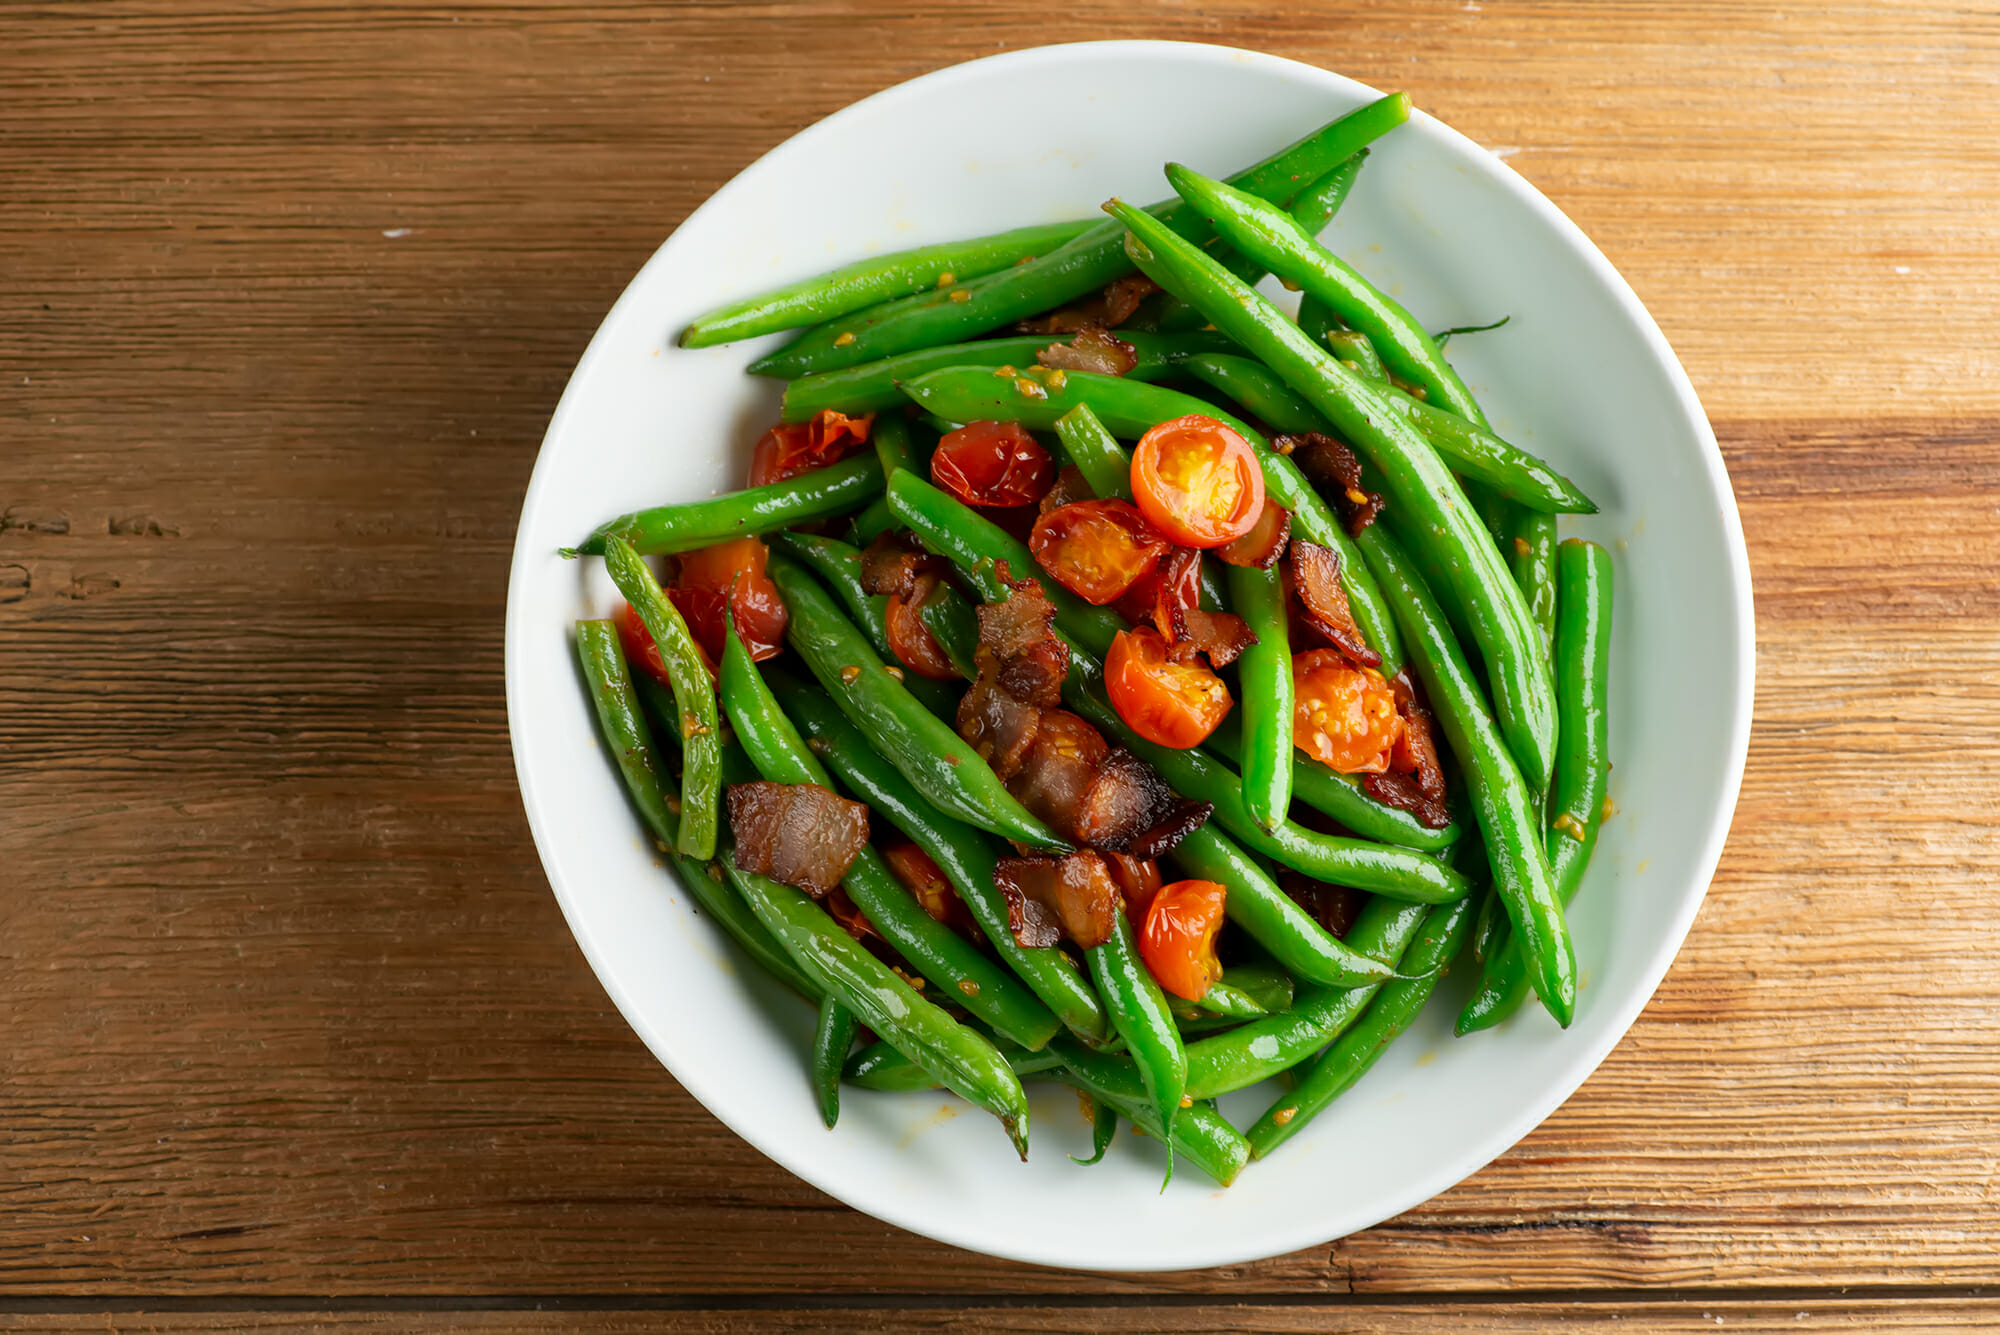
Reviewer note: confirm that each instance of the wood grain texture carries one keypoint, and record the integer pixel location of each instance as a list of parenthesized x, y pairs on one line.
[(289, 293)]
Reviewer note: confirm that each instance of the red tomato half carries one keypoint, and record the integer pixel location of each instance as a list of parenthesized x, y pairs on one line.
[(925, 880), (910, 639), (788, 450), (1343, 716), (640, 651), (1178, 941), (993, 464), (1198, 481), (1096, 549), (730, 576), (1168, 703)]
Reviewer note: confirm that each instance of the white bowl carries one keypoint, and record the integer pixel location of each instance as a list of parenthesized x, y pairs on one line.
[(1581, 375)]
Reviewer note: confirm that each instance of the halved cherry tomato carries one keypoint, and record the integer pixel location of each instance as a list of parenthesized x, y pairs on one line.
[(1168, 703), (1198, 481), (927, 883), (993, 463), (640, 650), (849, 915), (1138, 881), (910, 639), (1178, 941), (730, 575), (1343, 716), (1096, 549), (788, 450)]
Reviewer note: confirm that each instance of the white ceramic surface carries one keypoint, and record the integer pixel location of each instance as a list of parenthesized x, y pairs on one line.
[(1581, 375)]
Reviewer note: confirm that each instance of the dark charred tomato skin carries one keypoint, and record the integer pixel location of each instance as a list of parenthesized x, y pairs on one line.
[(788, 451), (729, 577), (1344, 716), (1178, 939), (1198, 481), (1167, 703), (1098, 550), (993, 464), (910, 639)]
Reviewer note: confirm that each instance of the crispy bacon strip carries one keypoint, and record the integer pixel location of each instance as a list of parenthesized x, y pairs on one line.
[(1174, 607), (1130, 809), (1138, 880), (1315, 575), (1024, 618), (1415, 778), (1265, 542), (1060, 768), (1000, 727), (890, 566), (1334, 907), (1107, 310), (798, 833), (1094, 349), (1077, 890), (1335, 471)]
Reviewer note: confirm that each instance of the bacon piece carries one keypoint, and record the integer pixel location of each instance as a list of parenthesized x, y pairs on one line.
[(1130, 809), (1094, 349), (798, 833), (1315, 573), (1078, 889), (1335, 471), (890, 566), (1060, 768), (1108, 309), (1035, 675), (1334, 907), (1032, 922), (1000, 727), (1265, 542), (1020, 620), (1069, 488), (1138, 880), (1176, 613), (1403, 792), (1415, 778)]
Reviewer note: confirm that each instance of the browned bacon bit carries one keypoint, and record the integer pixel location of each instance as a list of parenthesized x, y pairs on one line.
[(1402, 792), (1333, 469), (1334, 907), (1060, 768), (1183, 818), (1035, 675), (1093, 349), (1265, 542), (1000, 727), (1130, 809), (1221, 636), (1315, 572), (1170, 598), (1138, 880), (798, 833), (1020, 620), (1415, 778), (1110, 308), (891, 566), (1078, 889), (1032, 922), (849, 915), (1069, 488)]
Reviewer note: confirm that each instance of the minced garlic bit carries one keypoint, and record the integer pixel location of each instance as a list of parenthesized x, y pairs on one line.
[(1187, 1100), (1567, 824), (1358, 497), (893, 671), (947, 278), (1610, 808), (844, 339), (1089, 1109), (960, 294), (1057, 378), (819, 746), (967, 986), (1284, 1116), (1005, 372), (849, 673), (909, 978), (692, 727), (1521, 547), (673, 804), (1028, 389), (1283, 444)]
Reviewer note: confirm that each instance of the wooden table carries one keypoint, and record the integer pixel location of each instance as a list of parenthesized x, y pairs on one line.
[(292, 1032)]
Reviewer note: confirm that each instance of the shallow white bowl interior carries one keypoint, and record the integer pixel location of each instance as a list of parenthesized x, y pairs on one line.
[(1581, 375)]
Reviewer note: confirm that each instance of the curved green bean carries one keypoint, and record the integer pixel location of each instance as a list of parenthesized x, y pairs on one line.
[(1096, 453), (832, 1037), (1354, 350), (1340, 796), (1264, 687), (1200, 1134), (833, 490), (1138, 1010), (879, 1067), (873, 521)]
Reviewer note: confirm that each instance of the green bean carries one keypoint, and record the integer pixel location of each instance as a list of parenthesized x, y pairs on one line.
[(1139, 1013), (1103, 1129), (832, 1037), (962, 853), (1340, 796), (1391, 1012), (879, 278), (1130, 410), (833, 490), (1238, 994), (1264, 685), (873, 521), (1354, 350), (1096, 453), (1477, 455), (1074, 270), (1416, 481), (926, 751), (954, 624), (1200, 1134), (644, 771), (1532, 556), (1263, 981), (1486, 931), (694, 697), (1576, 799), (838, 564), (957, 1057), (880, 1067), (891, 437), (871, 387), (1500, 798)]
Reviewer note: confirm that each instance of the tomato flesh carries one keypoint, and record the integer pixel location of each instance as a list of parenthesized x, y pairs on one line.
[(730, 577), (1345, 717), (927, 883), (1096, 549), (910, 639), (1178, 940), (640, 650), (1198, 481), (790, 450), (1138, 882), (993, 464), (1167, 703)]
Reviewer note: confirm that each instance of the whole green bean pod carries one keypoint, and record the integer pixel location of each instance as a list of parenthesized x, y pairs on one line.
[(1500, 798), (880, 1067), (1200, 1134), (1223, 998), (694, 697), (1138, 1010), (1096, 453), (1264, 683), (832, 1037), (838, 564), (891, 438), (1532, 556), (1392, 1012), (963, 854), (879, 278), (1340, 796), (1354, 350), (833, 490), (1083, 265), (1477, 455), (926, 751), (1129, 409), (871, 386), (956, 1056), (873, 521), (1583, 763), (1416, 481)]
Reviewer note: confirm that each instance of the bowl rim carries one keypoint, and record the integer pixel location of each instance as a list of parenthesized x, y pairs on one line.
[(1445, 1172)]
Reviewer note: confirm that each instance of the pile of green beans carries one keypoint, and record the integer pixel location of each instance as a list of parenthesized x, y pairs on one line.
[(1462, 584)]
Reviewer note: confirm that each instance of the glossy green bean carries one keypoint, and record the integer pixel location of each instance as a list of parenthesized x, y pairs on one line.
[(1130, 410), (834, 490), (891, 437), (1063, 275), (874, 520), (1392, 1011), (954, 624), (879, 278), (1583, 763), (1096, 454), (1264, 690), (926, 751), (1103, 1130), (1200, 1134), (871, 386), (1500, 798), (1531, 554), (1138, 1010), (832, 1037), (962, 853), (956, 1056), (1417, 483), (1237, 995), (1340, 796), (878, 1066), (694, 697), (838, 564), (1354, 350)]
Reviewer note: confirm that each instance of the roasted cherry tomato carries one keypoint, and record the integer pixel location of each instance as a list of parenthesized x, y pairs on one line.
[(640, 650), (993, 464), (910, 639), (1171, 704), (730, 575), (1096, 549), (927, 883), (1343, 716), (1178, 941), (788, 450), (1138, 881), (1198, 481)]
